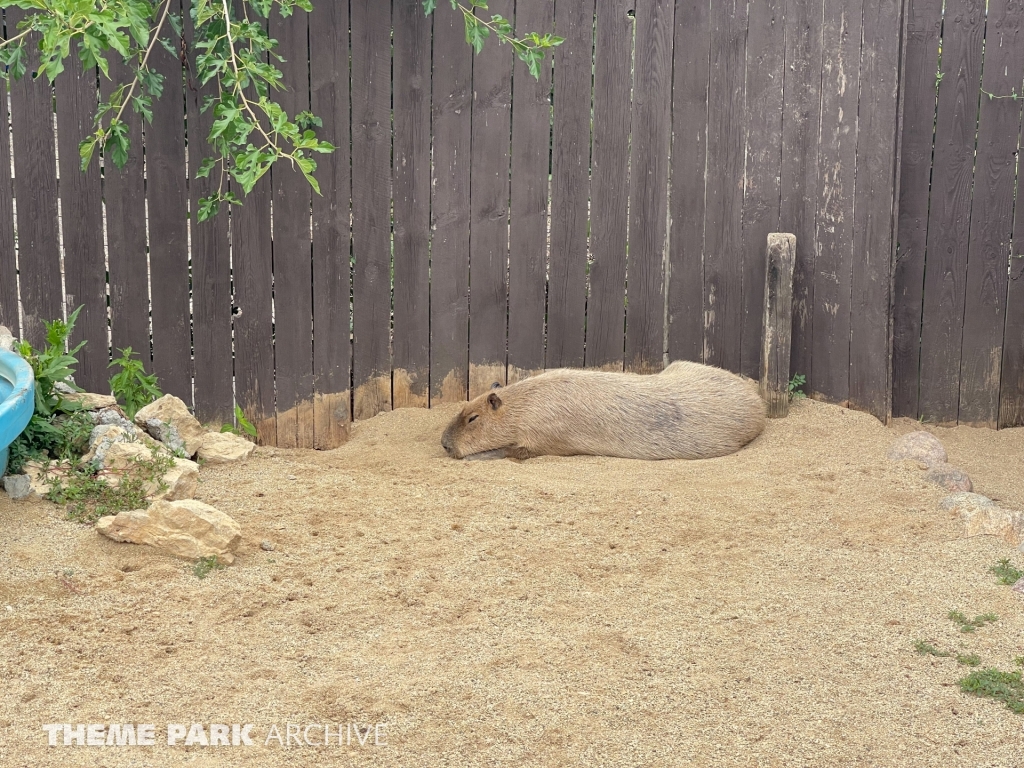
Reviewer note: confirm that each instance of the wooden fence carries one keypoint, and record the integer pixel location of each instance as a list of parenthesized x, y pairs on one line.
[(478, 225)]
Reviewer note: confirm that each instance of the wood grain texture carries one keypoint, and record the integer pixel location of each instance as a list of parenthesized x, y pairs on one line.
[(293, 304), (211, 268), (531, 142), (689, 165), (570, 184), (1011, 402), (489, 209), (332, 279), (167, 193), (371, 204), (777, 322), (949, 214), (766, 52), (411, 344), (124, 195), (801, 120), (924, 24), (606, 311), (723, 262), (988, 249), (648, 186), (451, 103), (829, 376), (874, 207), (9, 315), (81, 202), (35, 188)]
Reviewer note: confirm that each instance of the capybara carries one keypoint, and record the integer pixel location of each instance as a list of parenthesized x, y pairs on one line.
[(688, 411)]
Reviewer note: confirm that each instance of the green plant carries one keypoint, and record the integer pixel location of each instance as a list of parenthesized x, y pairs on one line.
[(132, 387), (925, 648), (55, 429), (969, 660), (89, 496), (230, 48), (796, 385), (990, 683), (243, 422), (205, 565), (1006, 573), (969, 625)]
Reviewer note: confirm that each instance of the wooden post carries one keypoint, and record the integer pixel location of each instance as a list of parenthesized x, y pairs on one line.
[(777, 333)]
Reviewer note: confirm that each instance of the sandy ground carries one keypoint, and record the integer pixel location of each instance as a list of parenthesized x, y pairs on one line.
[(759, 609)]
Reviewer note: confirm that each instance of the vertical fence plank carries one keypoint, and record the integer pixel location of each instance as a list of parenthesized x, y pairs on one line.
[(648, 186), (921, 53), (371, 206), (777, 323), (211, 267), (949, 216), (411, 346), (689, 164), (293, 325), (723, 263), (8, 267), (761, 192), (449, 252), (609, 167), (829, 376), (35, 187), (531, 141), (606, 310), (489, 184), (167, 193), (124, 195), (1011, 399), (81, 205), (332, 348), (870, 357), (801, 120), (991, 215), (570, 183)]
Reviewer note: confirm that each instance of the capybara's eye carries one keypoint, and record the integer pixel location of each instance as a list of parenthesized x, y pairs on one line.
[(473, 418)]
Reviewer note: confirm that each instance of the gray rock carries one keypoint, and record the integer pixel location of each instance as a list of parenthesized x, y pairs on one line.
[(1018, 586), (918, 446), (166, 433), (949, 477), (112, 417), (18, 486), (6, 339), (266, 546)]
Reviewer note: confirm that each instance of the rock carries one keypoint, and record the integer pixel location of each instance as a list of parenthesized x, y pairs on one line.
[(182, 481), (88, 401), (18, 486), (949, 477), (224, 447), (983, 517), (166, 433), (266, 546), (171, 410), (6, 339), (919, 446), (113, 416), (186, 528), (40, 475), (1018, 587), (102, 437)]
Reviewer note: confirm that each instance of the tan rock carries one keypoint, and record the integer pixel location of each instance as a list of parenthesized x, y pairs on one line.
[(918, 446), (185, 528), (224, 447), (102, 438), (89, 401), (171, 410), (182, 481), (41, 477), (983, 517)]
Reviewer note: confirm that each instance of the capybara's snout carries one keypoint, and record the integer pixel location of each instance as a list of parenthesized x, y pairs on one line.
[(446, 442)]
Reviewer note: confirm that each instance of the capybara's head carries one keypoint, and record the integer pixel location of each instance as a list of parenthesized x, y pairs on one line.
[(481, 426)]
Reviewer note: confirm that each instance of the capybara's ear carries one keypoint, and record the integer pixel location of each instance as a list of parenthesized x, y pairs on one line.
[(494, 400), (496, 385)]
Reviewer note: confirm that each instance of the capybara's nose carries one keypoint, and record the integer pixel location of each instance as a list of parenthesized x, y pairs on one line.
[(446, 445)]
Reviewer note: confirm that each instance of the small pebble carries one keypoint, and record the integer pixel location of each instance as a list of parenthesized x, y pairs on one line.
[(292, 477), (266, 546)]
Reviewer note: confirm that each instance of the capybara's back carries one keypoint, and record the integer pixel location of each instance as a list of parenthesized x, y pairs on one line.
[(688, 411)]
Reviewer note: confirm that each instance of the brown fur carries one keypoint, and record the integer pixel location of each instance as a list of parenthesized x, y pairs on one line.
[(688, 411)]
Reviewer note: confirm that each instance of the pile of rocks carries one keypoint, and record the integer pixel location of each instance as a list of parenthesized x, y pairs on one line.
[(979, 514), (174, 522)]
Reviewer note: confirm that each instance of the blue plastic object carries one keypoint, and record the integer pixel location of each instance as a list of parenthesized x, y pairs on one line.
[(17, 400)]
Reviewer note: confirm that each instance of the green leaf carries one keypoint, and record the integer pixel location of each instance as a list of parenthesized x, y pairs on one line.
[(429, 6), (476, 33)]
